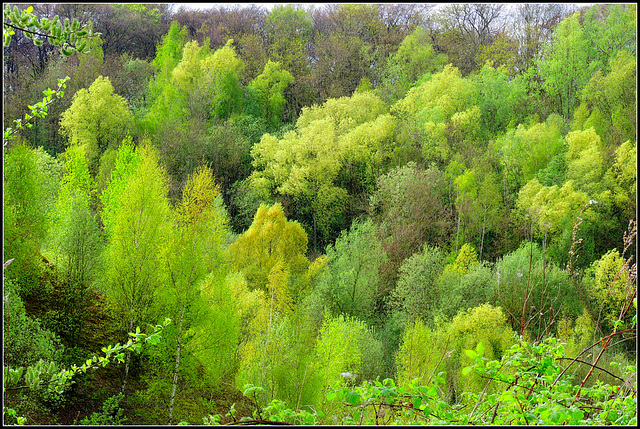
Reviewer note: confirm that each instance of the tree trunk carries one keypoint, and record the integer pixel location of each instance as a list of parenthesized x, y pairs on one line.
[(177, 366), (128, 360)]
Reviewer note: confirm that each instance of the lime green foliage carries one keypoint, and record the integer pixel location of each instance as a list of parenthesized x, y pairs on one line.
[(612, 288), (30, 181), (479, 206), (503, 100), (528, 149), (306, 164), (194, 84), (550, 208), (339, 356), (525, 370), (446, 100), (168, 54), (195, 295), (428, 353), (610, 31), (226, 68), (349, 284), (621, 181), (97, 119), (417, 358), (585, 163), (466, 260), (564, 65), (136, 215), (279, 355), (608, 101)]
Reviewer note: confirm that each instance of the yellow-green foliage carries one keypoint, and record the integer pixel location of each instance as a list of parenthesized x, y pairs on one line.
[(585, 163), (550, 207), (527, 149), (97, 118), (417, 357), (424, 352), (74, 236), (271, 254), (137, 229), (466, 260), (439, 98), (484, 324), (612, 288), (608, 100), (338, 349)]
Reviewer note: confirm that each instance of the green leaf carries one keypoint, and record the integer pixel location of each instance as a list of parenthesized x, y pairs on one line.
[(353, 398), (480, 349), (471, 354)]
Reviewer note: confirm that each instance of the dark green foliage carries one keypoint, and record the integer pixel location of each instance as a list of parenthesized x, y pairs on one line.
[(111, 413), (25, 341)]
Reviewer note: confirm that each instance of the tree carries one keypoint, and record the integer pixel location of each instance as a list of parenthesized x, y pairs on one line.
[(416, 295), (350, 283), (75, 234), (97, 119), (585, 163), (272, 256), (478, 202), (503, 100), (136, 219), (288, 32), (337, 349), (464, 28), (607, 102), (526, 150), (30, 182), (414, 58), (409, 209), (609, 29), (443, 112), (429, 354), (612, 290), (270, 87), (194, 251), (564, 65), (534, 292), (304, 166)]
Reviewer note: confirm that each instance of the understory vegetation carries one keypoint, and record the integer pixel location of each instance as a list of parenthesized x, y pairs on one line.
[(346, 214)]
